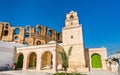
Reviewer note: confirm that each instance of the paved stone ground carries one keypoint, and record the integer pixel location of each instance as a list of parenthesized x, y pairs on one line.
[(101, 72), (18, 72), (23, 73)]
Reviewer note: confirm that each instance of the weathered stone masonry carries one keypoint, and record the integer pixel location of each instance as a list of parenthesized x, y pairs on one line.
[(28, 35)]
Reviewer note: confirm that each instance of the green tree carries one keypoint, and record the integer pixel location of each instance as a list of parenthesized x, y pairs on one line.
[(20, 61), (65, 58)]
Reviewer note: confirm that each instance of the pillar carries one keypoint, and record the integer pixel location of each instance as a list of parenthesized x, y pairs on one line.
[(38, 66), (54, 61), (25, 62)]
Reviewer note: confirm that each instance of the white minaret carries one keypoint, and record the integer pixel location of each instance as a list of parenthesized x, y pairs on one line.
[(72, 35)]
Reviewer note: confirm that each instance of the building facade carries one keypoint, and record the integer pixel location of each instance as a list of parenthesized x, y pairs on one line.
[(42, 54)]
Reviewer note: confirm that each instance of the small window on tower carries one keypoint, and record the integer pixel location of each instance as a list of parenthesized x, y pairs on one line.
[(71, 17)]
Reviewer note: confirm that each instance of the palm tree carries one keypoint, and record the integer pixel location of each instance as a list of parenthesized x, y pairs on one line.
[(65, 58)]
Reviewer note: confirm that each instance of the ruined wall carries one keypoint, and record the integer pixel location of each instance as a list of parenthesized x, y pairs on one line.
[(28, 35)]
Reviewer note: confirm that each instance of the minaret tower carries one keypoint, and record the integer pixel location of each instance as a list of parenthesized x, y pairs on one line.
[(73, 36)]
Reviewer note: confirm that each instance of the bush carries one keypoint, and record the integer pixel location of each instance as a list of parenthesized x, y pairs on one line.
[(67, 74)]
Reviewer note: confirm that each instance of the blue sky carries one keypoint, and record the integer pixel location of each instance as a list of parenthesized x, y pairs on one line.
[(100, 18)]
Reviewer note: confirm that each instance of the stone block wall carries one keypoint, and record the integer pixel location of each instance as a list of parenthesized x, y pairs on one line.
[(28, 35)]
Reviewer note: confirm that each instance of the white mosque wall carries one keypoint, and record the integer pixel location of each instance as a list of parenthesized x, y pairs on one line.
[(7, 56)]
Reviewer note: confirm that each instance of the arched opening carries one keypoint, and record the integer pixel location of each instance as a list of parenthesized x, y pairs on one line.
[(17, 30), (32, 60), (71, 17), (5, 33), (96, 61), (27, 28), (46, 60), (26, 44), (58, 36), (38, 43), (16, 37), (7, 26), (27, 35), (20, 61), (39, 29), (50, 32)]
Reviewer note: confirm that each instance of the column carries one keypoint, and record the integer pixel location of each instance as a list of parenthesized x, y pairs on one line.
[(54, 61), (38, 66), (24, 62), (90, 60)]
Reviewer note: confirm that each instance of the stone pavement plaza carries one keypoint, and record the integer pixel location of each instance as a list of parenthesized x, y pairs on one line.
[(19, 72), (101, 72)]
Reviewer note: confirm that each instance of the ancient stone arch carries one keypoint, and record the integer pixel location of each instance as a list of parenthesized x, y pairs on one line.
[(17, 31), (26, 44), (32, 57), (38, 29), (46, 60), (27, 34), (5, 33), (28, 28), (19, 61)]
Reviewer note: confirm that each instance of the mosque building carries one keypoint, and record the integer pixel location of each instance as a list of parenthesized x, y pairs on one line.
[(42, 47)]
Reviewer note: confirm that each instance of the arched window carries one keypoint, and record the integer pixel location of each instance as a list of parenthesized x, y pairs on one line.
[(58, 36), (6, 26), (20, 58), (71, 17), (49, 32), (32, 60), (26, 44), (17, 30), (27, 35), (46, 60), (38, 42), (27, 28), (39, 29), (5, 33), (16, 37)]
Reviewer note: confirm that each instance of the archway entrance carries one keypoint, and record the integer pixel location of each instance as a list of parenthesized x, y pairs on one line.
[(32, 60), (96, 61), (20, 61), (46, 60)]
